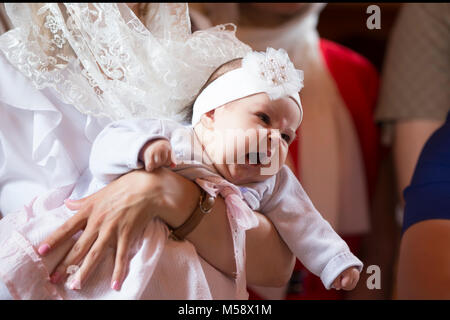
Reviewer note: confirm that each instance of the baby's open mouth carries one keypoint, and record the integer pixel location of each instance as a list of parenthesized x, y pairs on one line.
[(257, 158)]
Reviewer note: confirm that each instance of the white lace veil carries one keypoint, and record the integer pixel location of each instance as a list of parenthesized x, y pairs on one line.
[(100, 58)]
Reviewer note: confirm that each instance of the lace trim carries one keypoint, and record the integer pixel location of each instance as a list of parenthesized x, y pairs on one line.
[(100, 58)]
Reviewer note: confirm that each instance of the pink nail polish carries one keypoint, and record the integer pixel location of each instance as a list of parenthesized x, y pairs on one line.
[(54, 278), (75, 284), (43, 249), (115, 285)]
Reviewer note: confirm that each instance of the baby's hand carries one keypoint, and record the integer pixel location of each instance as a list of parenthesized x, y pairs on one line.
[(157, 153), (347, 280)]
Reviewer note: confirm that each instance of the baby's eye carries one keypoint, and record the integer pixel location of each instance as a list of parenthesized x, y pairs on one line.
[(286, 137), (264, 117)]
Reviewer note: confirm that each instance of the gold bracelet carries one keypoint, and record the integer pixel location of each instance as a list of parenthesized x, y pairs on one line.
[(205, 206)]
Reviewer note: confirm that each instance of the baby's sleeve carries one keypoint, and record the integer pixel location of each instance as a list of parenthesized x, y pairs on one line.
[(116, 149), (310, 237)]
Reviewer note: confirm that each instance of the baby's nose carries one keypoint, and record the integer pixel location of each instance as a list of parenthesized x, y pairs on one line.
[(274, 136), (272, 140)]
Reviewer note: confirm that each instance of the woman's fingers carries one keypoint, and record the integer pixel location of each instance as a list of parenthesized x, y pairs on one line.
[(75, 204), (92, 259), (75, 255), (121, 263), (66, 231)]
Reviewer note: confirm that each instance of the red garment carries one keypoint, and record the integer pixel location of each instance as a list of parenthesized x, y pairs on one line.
[(357, 81)]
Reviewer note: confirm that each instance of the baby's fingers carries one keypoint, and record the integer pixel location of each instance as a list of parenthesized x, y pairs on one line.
[(173, 159), (162, 158), (350, 280), (170, 159), (149, 165), (346, 281), (337, 283), (155, 161), (148, 160)]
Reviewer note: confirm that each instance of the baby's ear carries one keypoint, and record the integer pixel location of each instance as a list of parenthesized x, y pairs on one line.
[(207, 119)]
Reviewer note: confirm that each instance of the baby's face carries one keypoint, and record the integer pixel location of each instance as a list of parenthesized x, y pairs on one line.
[(253, 127)]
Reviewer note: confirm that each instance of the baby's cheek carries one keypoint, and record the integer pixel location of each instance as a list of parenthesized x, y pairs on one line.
[(283, 155)]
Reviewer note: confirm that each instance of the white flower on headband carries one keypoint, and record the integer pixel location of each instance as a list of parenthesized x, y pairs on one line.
[(277, 71)]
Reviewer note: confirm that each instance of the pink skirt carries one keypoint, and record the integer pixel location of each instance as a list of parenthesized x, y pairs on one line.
[(160, 268)]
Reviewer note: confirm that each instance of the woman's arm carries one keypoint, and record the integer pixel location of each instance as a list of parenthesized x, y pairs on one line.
[(409, 138), (424, 261), (269, 260), (113, 215)]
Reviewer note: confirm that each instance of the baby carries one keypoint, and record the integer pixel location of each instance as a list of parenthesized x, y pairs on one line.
[(256, 96)]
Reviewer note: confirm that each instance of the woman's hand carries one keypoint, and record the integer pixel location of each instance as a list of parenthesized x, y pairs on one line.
[(117, 214), (114, 216)]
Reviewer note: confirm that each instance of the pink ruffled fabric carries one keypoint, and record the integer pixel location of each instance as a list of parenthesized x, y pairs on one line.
[(160, 268), (240, 217)]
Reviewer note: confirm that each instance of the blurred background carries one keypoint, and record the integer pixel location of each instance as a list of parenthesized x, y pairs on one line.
[(345, 23)]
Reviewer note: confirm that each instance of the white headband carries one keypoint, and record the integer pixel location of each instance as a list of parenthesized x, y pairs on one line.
[(271, 72)]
